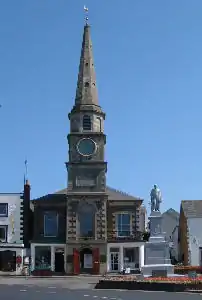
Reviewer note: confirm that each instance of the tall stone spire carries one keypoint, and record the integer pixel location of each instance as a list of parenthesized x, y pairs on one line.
[(86, 92)]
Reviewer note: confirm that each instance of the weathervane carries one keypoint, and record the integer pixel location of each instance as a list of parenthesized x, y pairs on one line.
[(86, 13)]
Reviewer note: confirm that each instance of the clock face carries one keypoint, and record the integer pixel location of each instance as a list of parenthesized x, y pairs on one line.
[(86, 147)]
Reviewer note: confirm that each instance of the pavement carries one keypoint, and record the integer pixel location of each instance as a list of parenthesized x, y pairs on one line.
[(76, 289), (72, 283)]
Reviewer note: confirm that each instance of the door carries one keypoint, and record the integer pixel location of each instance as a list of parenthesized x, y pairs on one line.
[(96, 261), (59, 262), (76, 261), (114, 256)]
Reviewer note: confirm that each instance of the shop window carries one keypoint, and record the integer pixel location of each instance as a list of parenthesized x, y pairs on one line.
[(129, 254), (42, 258), (3, 233)]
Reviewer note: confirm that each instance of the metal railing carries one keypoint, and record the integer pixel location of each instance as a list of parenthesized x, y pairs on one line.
[(86, 238), (124, 235)]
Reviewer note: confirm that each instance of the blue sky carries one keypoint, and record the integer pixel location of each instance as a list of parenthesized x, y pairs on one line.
[(148, 57)]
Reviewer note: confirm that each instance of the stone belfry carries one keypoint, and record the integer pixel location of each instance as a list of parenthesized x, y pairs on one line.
[(86, 166)]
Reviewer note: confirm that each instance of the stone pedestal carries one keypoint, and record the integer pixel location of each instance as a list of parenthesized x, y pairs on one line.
[(157, 256)]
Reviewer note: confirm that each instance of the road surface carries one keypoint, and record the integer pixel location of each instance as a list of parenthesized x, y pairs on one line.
[(76, 289)]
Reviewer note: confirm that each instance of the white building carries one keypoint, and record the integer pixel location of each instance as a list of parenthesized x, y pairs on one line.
[(12, 234), (190, 232)]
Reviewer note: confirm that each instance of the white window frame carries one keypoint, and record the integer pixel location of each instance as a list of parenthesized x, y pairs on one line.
[(6, 233), (116, 222), (44, 227)]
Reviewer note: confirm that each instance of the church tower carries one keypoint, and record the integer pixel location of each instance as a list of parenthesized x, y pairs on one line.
[(86, 193), (86, 166)]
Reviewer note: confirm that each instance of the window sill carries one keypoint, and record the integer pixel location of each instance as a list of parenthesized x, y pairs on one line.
[(124, 236)]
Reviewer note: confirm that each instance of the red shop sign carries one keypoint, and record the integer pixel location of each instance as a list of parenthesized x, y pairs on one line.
[(18, 259)]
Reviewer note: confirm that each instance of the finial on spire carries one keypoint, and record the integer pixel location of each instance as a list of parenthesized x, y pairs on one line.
[(86, 14)]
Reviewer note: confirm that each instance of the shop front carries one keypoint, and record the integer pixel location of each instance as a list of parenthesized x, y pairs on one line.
[(46, 257), (11, 258), (125, 256)]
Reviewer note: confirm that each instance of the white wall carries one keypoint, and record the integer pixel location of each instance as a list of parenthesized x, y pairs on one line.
[(14, 234), (175, 244), (170, 223), (195, 240)]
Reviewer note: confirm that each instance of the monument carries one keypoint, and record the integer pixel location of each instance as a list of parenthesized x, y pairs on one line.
[(157, 255)]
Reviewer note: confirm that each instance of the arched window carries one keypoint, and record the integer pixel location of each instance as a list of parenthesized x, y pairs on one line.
[(86, 217), (86, 122)]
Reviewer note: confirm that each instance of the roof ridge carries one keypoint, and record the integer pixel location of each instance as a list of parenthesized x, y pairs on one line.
[(192, 208), (121, 192), (110, 189), (171, 211)]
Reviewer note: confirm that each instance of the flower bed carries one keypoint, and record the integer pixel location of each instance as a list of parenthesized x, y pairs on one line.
[(121, 278), (185, 269), (182, 280), (168, 284)]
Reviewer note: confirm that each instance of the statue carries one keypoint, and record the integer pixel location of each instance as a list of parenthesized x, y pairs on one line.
[(156, 198)]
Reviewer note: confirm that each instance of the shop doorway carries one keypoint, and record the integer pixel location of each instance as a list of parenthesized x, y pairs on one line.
[(86, 260), (114, 257), (59, 261)]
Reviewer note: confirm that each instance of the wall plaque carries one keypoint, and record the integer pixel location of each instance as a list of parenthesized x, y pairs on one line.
[(85, 181)]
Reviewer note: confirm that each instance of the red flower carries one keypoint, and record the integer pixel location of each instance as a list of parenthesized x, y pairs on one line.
[(176, 279)]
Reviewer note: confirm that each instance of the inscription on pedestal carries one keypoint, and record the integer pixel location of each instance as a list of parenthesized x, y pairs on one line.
[(159, 273), (155, 253)]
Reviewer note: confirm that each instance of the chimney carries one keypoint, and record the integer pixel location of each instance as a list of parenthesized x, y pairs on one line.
[(27, 189), (26, 215)]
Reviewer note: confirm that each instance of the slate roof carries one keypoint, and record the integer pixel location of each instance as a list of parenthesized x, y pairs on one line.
[(192, 208), (113, 194)]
